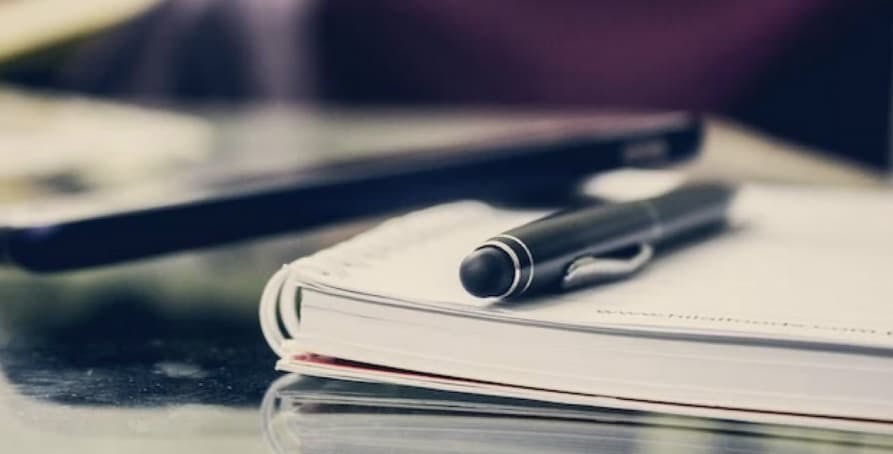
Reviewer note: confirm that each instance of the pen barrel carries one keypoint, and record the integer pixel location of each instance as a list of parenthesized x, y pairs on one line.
[(691, 207), (546, 247)]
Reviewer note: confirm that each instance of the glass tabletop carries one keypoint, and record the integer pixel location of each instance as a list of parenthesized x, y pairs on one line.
[(166, 354), (142, 358)]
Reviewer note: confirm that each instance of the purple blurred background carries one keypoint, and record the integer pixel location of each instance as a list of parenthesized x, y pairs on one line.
[(813, 71)]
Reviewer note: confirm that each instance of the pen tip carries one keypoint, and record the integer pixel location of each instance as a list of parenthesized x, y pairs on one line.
[(487, 272)]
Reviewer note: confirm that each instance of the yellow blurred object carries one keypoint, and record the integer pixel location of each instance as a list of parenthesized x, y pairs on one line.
[(29, 25)]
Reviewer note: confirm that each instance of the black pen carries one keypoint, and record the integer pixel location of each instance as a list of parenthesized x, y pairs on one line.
[(574, 247)]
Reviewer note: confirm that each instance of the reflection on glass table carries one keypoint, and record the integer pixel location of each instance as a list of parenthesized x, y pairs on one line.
[(314, 415), (162, 355)]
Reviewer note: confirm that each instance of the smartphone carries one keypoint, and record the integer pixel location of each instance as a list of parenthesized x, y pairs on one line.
[(336, 167)]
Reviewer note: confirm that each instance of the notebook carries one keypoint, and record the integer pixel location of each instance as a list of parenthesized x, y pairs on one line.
[(787, 314)]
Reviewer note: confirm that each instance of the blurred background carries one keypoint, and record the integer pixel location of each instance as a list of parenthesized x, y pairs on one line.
[(813, 71), (103, 102)]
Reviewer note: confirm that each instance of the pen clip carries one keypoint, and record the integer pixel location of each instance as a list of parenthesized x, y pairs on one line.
[(588, 269)]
